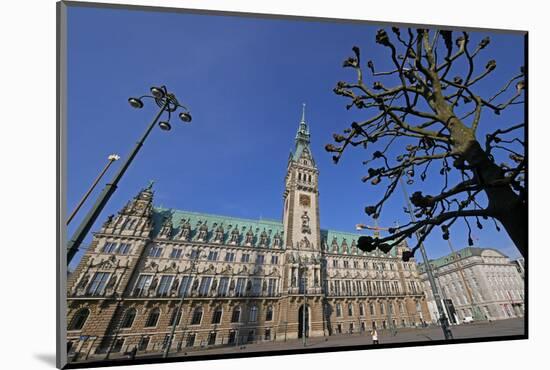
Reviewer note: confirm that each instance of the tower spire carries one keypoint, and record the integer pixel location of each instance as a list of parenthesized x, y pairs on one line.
[(302, 136)]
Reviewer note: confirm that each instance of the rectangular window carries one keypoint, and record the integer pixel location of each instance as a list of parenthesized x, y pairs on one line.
[(256, 286), (176, 253), (365, 265), (274, 260), (185, 285), (267, 334), (241, 286), (348, 287), (338, 310), (346, 264), (98, 283), (109, 247), (143, 343), (355, 264), (334, 263), (205, 286), (155, 251), (194, 254), (217, 317), (245, 257), (230, 257), (231, 339), (303, 285), (124, 248), (190, 340), (271, 287), (212, 338), (222, 287), (213, 256), (259, 259), (164, 286), (117, 347), (142, 285)]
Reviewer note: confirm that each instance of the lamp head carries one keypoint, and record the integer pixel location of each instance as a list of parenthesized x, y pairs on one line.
[(135, 102), (158, 92), (165, 126), (185, 117)]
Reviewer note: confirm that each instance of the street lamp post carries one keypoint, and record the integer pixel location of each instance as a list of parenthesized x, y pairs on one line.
[(442, 317), (111, 158), (194, 258), (168, 103), (303, 268)]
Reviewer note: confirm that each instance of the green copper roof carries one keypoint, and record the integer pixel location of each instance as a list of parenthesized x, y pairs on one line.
[(331, 236), (460, 254), (302, 137), (212, 222), (244, 226)]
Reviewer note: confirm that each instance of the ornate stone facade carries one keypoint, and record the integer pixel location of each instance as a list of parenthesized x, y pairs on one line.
[(241, 280), (476, 282)]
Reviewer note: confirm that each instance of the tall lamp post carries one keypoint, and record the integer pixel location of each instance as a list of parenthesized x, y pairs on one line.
[(167, 102), (111, 158), (194, 256), (303, 266), (442, 317)]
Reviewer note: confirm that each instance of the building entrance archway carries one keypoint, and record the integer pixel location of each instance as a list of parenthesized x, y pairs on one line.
[(301, 321)]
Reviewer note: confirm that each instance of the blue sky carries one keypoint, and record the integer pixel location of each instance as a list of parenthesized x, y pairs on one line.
[(244, 80)]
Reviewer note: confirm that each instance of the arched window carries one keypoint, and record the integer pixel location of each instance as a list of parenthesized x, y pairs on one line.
[(153, 318), (299, 176), (128, 318), (79, 319), (253, 314), (236, 315), (197, 316), (269, 314), (350, 309), (338, 309), (362, 309), (217, 317), (176, 317)]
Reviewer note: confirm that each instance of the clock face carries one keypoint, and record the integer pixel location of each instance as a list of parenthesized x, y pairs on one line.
[(305, 200)]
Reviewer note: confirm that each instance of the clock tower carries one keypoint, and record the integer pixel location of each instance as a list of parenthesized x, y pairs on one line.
[(301, 195)]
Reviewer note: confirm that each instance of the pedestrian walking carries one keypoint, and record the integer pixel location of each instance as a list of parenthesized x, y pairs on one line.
[(374, 334)]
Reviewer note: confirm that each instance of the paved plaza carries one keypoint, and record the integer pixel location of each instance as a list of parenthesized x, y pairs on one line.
[(404, 335)]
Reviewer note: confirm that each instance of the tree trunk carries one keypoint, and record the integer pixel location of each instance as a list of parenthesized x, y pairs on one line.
[(503, 203)]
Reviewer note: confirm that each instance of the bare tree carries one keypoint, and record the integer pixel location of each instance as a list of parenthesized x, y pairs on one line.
[(432, 121)]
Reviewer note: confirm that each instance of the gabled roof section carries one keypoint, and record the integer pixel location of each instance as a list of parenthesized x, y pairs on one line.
[(342, 242), (212, 222)]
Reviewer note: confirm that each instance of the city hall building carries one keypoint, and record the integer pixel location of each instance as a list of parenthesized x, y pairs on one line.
[(223, 280)]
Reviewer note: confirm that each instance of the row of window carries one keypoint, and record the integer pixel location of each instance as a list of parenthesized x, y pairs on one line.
[(81, 316), (204, 286), (118, 248), (350, 287), (177, 253), (372, 309), (379, 266)]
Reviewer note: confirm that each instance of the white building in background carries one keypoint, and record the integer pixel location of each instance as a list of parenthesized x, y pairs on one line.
[(476, 279)]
